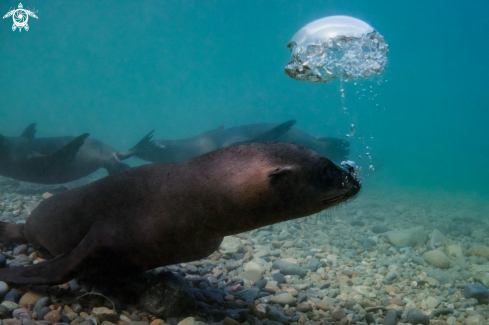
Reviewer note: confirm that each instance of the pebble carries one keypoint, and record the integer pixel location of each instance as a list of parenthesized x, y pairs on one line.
[(3, 288)]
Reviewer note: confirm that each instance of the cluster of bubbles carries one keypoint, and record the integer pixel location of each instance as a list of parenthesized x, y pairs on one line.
[(336, 47)]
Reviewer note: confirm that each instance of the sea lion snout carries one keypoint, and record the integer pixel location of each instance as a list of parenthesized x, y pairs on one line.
[(339, 185)]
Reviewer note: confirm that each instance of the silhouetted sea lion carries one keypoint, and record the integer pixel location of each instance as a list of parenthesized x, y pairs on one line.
[(161, 214), (183, 149), (58, 160)]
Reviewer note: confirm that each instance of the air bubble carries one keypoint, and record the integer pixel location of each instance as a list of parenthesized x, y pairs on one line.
[(336, 47)]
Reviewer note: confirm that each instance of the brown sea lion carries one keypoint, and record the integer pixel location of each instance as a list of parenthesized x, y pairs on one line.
[(57, 160), (162, 214), (164, 151)]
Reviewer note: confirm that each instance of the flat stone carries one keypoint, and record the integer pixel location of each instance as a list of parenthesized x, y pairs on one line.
[(10, 305), (283, 299), (475, 320), (231, 244), (230, 321), (288, 268), (416, 316), (338, 314), (391, 318), (478, 250), (53, 316), (455, 250), (30, 297), (411, 237), (251, 275), (437, 238), (437, 258), (481, 273), (304, 307), (105, 314)]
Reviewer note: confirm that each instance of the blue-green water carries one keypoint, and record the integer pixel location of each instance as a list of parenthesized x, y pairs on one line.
[(120, 69)]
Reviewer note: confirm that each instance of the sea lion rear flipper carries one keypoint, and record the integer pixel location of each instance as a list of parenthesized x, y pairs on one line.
[(65, 154), (144, 145), (269, 135), (29, 132), (60, 269)]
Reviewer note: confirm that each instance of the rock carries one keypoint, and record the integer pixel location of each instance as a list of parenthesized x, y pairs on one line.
[(323, 306), (357, 223), (479, 250), (283, 299), (277, 316), (411, 237), (230, 321), (416, 316), (13, 295), (338, 314), (21, 249), (304, 307), (53, 316), (252, 275), (21, 313), (167, 295), (279, 277), (455, 250), (441, 276), (157, 321), (248, 294), (481, 273), (30, 297), (10, 321), (105, 314), (3, 261), (3, 288), (231, 244), (253, 266), (478, 291), (437, 238), (10, 305), (391, 318), (380, 229), (443, 311), (369, 318), (288, 268), (437, 258), (475, 320), (41, 303)]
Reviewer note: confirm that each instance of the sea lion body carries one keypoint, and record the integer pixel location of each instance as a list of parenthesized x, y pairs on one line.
[(183, 149), (162, 214), (57, 160)]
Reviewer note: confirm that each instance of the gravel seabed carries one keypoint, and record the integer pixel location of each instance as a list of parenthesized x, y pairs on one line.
[(401, 260)]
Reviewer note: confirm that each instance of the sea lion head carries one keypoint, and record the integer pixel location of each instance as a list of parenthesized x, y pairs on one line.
[(314, 183)]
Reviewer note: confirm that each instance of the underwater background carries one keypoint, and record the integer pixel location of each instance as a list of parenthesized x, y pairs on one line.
[(121, 69)]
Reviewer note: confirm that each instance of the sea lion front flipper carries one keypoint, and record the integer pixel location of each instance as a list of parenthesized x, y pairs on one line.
[(63, 155), (29, 132), (269, 135)]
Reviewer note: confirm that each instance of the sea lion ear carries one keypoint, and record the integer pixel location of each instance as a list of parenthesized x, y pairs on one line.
[(281, 171)]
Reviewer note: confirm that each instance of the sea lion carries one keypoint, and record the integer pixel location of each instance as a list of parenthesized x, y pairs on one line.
[(183, 149), (161, 214), (58, 160)]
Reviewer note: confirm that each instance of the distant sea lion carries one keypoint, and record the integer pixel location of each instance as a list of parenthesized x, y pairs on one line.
[(183, 149), (161, 214), (58, 160)]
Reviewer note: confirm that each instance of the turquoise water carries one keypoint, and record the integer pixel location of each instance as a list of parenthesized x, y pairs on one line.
[(120, 69)]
